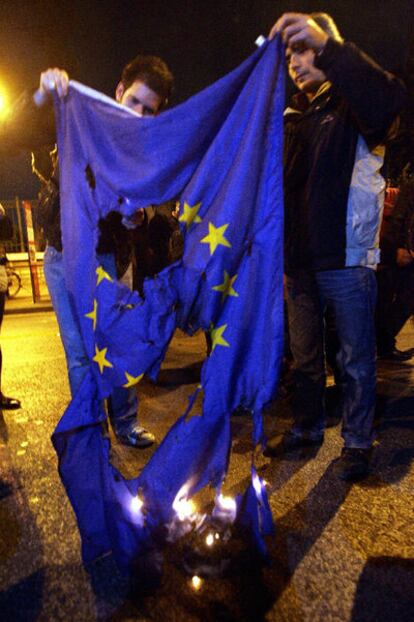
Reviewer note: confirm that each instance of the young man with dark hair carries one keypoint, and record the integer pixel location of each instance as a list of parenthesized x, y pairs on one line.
[(334, 137), (151, 71), (145, 86)]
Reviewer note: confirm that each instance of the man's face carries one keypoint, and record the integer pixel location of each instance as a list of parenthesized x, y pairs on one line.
[(302, 70), (139, 98)]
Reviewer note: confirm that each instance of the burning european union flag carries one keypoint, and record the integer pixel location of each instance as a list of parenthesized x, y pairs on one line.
[(220, 153)]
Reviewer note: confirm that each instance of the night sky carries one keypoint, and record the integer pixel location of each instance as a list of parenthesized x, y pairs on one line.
[(199, 39)]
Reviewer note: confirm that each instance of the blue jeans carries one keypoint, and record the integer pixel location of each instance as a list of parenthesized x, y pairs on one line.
[(123, 403), (350, 294)]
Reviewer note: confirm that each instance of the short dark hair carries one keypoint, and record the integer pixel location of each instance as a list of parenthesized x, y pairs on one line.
[(151, 70), (327, 24)]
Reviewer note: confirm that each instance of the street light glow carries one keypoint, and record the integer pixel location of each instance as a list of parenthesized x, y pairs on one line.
[(3, 103)]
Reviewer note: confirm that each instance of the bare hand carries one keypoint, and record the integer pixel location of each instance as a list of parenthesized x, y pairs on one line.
[(51, 80), (176, 211), (299, 28), (403, 257)]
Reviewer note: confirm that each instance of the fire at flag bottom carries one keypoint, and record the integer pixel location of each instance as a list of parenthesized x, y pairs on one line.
[(219, 155)]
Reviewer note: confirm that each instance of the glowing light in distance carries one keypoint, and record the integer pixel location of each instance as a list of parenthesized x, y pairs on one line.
[(3, 103)]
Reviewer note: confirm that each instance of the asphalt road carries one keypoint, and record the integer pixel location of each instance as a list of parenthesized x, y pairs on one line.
[(341, 552)]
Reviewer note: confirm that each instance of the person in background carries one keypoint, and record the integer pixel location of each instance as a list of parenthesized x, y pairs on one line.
[(396, 277), (6, 233)]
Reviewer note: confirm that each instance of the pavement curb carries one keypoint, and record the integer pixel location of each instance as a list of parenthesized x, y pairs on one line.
[(27, 307)]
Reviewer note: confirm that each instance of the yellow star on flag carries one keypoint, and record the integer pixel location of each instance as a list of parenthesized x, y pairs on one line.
[(190, 214), (215, 237), (227, 286), (100, 358), (217, 337), (93, 314), (101, 274), (131, 380)]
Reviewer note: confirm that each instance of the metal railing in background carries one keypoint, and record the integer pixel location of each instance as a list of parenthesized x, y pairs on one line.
[(26, 247), (19, 242)]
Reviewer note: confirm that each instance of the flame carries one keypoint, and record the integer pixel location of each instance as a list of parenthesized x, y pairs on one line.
[(225, 508), (226, 503), (136, 504), (257, 485), (185, 508), (182, 506), (210, 539), (196, 583)]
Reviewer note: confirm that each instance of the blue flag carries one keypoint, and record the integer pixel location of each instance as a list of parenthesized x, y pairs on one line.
[(220, 154)]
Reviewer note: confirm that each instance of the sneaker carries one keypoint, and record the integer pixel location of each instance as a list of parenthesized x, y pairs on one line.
[(290, 442), (137, 437), (396, 355), (9, 403), (353, 464)]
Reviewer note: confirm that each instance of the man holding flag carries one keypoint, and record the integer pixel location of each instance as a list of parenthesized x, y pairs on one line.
[(334, 150), (145, 88)]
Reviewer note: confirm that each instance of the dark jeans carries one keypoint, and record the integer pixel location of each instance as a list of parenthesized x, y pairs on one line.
[(350, 295), (122, 403)]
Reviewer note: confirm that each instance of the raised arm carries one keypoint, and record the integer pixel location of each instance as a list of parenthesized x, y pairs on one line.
[(374, 95)]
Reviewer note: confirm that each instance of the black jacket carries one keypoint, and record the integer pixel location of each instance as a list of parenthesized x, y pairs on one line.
[(323, 141)]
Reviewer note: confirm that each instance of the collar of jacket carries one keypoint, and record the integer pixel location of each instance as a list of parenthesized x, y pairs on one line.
[(301, 103)]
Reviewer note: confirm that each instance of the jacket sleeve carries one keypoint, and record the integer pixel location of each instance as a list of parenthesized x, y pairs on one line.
[(375, 96), (27, 126)]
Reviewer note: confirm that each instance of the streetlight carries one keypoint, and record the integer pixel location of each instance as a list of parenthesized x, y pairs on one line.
[(4, 108)]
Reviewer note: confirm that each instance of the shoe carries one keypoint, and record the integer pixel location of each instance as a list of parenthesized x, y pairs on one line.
[(138, 437), (397, 355), (9, 403), (353, 464), (290, 442), (333, 406)]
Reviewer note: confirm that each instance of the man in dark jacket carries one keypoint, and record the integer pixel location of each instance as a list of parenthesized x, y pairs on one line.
[(333, 207)]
